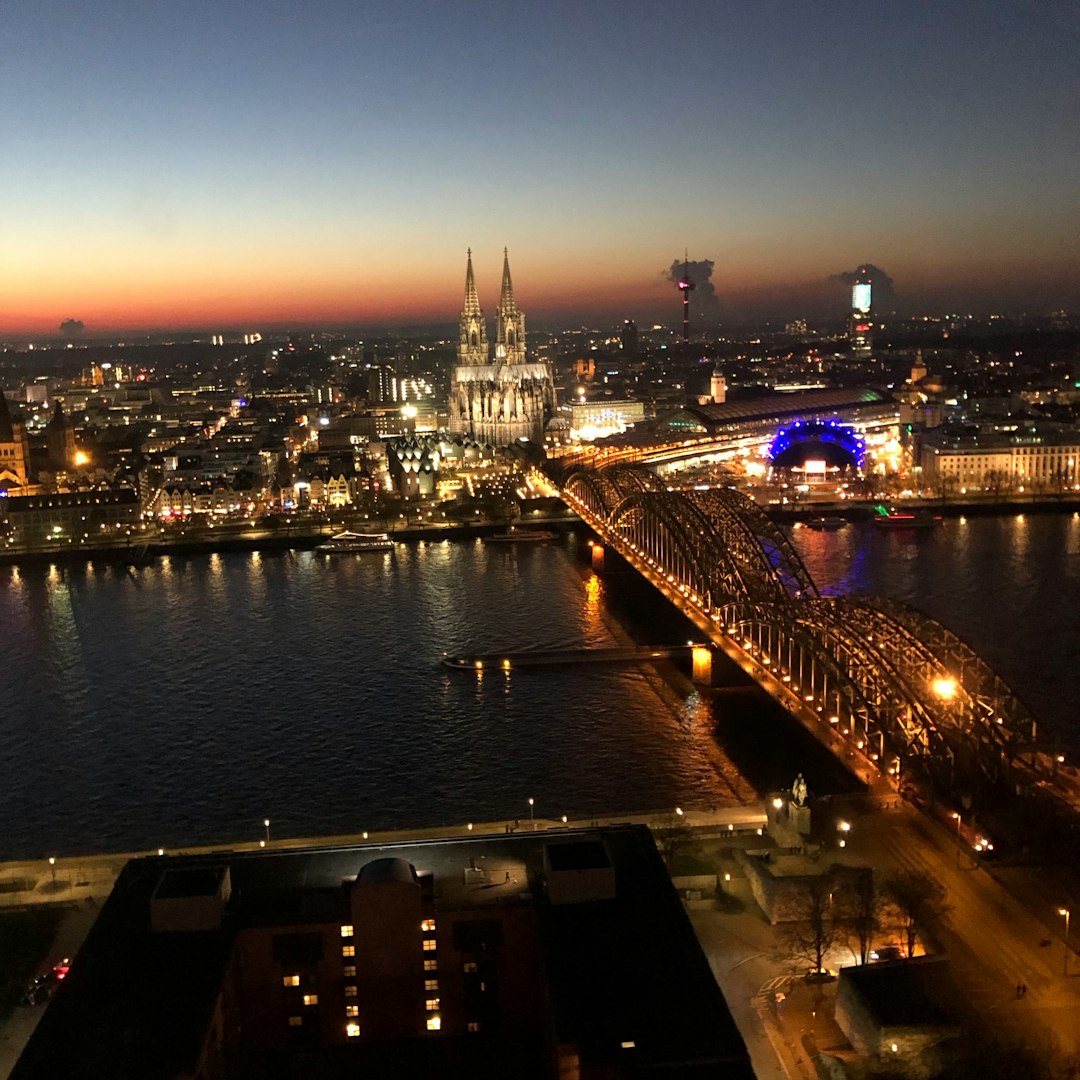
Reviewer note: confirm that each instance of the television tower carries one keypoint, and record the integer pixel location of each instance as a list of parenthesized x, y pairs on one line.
[(686, 287)]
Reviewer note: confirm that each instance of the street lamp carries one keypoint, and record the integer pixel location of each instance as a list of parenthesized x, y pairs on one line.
[(266, 826), (532, 816), (52, 867), (956, 816), (1065, 911)]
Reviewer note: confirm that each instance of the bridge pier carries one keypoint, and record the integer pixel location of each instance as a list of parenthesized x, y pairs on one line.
[(703, 665), (597, 556)]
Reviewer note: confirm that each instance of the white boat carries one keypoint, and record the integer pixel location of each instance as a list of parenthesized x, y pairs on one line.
[(520, 536), (350, 541)]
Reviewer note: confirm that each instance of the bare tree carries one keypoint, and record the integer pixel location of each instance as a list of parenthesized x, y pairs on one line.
[(860, 905), (919, 902), (811, 935)]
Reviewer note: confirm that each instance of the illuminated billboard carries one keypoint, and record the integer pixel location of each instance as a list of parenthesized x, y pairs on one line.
[(860, 297)]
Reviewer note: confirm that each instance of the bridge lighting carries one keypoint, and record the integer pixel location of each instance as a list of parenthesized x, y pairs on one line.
[(945, 688)]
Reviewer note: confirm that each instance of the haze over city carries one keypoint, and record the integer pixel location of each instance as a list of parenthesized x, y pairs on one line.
[(219, 165)]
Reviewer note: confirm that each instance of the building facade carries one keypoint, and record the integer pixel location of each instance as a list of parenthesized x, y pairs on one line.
[(498, 399), (14, 450), (1035, 459)]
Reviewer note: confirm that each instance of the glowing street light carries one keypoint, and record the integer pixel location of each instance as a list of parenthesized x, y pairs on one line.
[(1066, 913), (532, 817), (266, 826), (52, 867), (945, 688)]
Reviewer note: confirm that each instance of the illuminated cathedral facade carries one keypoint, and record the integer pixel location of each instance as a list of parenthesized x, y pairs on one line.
[(501, 398)]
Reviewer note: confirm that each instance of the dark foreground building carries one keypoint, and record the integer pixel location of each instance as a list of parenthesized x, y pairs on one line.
[(552, 954)]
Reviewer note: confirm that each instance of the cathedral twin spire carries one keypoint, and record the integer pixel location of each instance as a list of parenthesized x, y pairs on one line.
[(509, 322)]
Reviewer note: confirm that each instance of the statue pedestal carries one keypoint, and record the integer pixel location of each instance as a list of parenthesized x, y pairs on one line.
[(799, 816)]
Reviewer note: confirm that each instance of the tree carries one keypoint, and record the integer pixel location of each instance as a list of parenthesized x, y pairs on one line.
[(811, 935), (860, 902), (919, 902)]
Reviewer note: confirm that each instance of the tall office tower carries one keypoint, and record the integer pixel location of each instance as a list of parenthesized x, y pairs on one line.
[(382, 382), (629, 338), (861, 323), (14, 449), (502, 399)]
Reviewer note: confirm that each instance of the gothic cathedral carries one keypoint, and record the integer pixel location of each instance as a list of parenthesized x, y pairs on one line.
[(498, 400)]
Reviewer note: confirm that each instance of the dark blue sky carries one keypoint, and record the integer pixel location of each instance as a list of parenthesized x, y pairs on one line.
[(185, 161)]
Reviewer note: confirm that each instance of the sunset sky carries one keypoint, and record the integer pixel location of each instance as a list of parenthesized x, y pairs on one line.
[(233, 165)]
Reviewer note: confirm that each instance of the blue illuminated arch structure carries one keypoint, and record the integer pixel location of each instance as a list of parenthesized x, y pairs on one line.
[(836, 443)]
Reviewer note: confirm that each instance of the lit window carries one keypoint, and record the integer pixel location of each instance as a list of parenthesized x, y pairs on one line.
[(432, 1004), (291, 980), (348, 950), (427, 926), (470, 967), (473, 1026), (431, 984), (431, 965), (346, 930), (352, 1010), (429, 944), (350, 991), (434, 1023), (295, 1021), (311, 999), (349, 970), (352, 1030)]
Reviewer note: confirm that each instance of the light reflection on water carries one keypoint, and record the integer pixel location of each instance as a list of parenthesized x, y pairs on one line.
[(1007, 585), (185, 700)]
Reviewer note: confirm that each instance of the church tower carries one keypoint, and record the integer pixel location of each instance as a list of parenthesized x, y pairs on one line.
[(14, 450), (509, 322), (501, 400), (60, 440), (472, 339)]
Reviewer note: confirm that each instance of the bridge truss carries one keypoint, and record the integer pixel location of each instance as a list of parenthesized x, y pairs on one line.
[(900, 688)]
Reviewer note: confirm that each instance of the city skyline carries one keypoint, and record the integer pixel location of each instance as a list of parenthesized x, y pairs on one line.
[(176, 166)]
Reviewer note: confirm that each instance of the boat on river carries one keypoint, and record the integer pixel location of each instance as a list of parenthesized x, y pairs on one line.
[(826, 523), (345, 542), (515, 535), (893, 518)]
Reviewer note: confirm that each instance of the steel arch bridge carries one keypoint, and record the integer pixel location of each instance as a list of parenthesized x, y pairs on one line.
[(881, 681)]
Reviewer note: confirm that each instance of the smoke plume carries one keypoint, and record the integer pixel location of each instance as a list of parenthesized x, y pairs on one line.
[(703, 299)]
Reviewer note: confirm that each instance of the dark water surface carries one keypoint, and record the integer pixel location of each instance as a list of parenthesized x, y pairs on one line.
[(184, 701)]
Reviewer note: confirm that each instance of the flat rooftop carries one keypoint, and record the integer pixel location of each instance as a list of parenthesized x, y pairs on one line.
[(626, 977)]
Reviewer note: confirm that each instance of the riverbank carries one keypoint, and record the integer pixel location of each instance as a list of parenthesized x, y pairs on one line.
[(210, 540), (971, 506)]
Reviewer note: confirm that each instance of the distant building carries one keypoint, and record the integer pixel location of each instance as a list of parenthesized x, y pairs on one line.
[(861, 323), (1032, 457), (76, 515), (534, 955), (60, 441), (14, 450), (502, 399), (605, 416)]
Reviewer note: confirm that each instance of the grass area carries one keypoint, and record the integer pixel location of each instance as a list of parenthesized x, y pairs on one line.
[(25, 937)]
